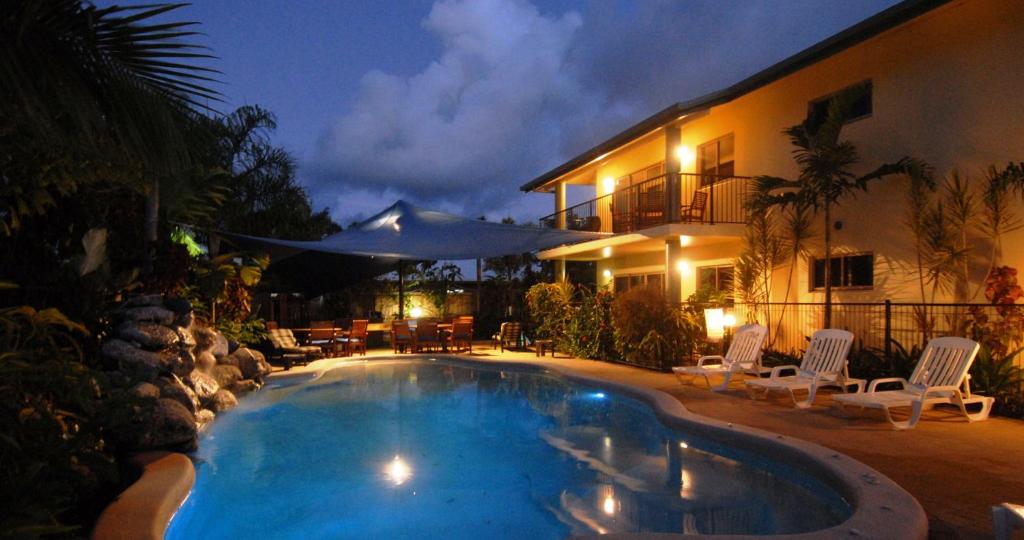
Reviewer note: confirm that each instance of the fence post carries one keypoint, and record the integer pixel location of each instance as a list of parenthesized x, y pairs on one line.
[(888, 328)]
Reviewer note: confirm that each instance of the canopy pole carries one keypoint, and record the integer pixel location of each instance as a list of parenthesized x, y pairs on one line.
[(479, 287), (401, 290)]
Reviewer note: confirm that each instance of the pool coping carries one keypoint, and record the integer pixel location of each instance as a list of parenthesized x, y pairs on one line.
[(880, 507)]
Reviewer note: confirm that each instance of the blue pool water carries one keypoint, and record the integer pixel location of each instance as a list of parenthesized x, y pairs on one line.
[(447, 450)]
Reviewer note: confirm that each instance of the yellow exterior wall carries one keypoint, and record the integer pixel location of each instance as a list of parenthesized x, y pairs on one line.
[(946, 88)]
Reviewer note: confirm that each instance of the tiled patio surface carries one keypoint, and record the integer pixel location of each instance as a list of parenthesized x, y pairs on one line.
[(955, 469)]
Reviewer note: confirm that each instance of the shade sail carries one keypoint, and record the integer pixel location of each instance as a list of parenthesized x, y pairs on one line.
[(406, 232)]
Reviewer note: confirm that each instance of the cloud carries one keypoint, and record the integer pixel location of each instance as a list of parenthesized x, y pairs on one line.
[(516, 91)]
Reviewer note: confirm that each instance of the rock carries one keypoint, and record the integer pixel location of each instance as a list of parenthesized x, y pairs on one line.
[(204, 417), (204, 338), (244, 386), (184, 320), (149, 335), (137, 363), (251, 363), (233, 346), (226, 375), (173, 388), (222, 401), (155, 314), (145, 390), (186, 363), (205, 386), (170, 426), (145, 300), (185, 339), (205, 361), (220, 345), (178, 305)]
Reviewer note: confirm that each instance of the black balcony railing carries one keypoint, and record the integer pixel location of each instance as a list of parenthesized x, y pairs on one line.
[(705, 199)]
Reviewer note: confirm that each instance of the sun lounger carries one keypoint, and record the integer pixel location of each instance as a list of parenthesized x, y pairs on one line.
[(743, 356), (941, 376), (824, 364), (1007, 518)]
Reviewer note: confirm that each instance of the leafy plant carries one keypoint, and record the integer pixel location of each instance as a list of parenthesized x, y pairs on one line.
[(57, 468), (995, 374), (649, 331), (588, 328), (549, 305)]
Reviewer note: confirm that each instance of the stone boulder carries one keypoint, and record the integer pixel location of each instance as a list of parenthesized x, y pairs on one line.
[(170, 426), (226, 375), (154, 314), (173, 388), (150, 336), (186, 363), (222, 401), (185, 339), (204, 385), (220, 345), (140, 364), (145, 300), (244, 386), (204, 417), (251, 363), (145, 390)]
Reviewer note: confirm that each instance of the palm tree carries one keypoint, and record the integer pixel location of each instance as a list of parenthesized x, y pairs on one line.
[(825, 178), (102, 85)]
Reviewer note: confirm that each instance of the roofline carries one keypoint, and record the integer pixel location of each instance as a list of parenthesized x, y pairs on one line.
[(872, 26)]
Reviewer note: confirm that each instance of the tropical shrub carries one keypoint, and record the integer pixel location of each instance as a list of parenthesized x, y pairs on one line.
[(649, 331), (549, 305), (588, 328), (57, 469), (996, 375)]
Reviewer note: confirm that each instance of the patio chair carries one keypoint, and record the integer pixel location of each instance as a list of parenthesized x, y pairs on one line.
[(941, 377), (356, 338), (322, 334), (824, 364), (286, 348), (462, 334), (508, 336), (401, 336), (426, 336), (695, 210), (743, 356)]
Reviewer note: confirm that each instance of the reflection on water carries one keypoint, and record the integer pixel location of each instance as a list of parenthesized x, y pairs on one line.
[(477, 452)]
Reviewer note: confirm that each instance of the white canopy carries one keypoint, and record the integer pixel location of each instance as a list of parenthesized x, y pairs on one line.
[(405, 232)]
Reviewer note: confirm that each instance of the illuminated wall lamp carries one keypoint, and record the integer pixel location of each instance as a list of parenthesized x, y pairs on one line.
[(608, 184), (606, 252)]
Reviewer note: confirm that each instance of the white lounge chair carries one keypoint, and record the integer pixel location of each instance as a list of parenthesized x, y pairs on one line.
[(824, 364), (743, 356), (941, 376), (1007, 518)]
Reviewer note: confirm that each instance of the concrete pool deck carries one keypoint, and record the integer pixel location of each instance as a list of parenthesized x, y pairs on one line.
[(956, 470)]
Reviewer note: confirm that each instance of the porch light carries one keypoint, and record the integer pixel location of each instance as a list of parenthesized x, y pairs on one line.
[(608, 184), (714, 320), (606, 252), (416, 312), (685, 240), (607, 274), (685, 156), (683, 266)]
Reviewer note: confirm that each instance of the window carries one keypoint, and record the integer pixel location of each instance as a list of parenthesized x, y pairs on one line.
[(716, 159), (846, 271), (719, 278), (817, 111), (626, 282)]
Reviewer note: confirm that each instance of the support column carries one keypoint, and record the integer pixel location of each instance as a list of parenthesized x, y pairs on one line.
[(562, 223), (673, 185), (673, 277)]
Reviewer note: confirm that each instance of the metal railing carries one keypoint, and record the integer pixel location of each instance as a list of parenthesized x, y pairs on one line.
[(643, 205)]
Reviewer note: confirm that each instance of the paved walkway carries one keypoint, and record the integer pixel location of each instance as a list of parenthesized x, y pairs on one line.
[(956, 470)]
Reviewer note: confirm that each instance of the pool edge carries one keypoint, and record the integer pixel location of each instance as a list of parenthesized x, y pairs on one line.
[(880, 507)]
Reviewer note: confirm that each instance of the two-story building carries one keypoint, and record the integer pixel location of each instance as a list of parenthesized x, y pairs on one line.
[(943, 82)]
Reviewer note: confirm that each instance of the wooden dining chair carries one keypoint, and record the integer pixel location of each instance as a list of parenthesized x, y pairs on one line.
[(426, 336), (356, 338), (321, 334), (462, 334), (402, 337)]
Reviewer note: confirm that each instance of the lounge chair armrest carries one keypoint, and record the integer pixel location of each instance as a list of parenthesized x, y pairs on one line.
[(779, 369), (937, 389), (874, 384), (720, 358)]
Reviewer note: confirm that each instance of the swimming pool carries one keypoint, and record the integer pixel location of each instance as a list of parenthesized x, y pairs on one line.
[(443, 449)]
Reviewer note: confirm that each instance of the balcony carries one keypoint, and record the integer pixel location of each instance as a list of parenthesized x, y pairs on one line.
[(705, 199)]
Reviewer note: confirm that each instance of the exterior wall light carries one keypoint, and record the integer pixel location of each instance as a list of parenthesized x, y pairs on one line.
[(685, 240), (608, 184), (685, 156), (607, 274), (683, 266), (606, 252)]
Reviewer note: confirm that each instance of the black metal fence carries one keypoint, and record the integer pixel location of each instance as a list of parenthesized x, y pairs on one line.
[(704, 199)]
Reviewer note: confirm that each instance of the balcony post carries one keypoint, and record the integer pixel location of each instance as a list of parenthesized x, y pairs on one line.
[(560, 217), (673, 189), (673, 276)]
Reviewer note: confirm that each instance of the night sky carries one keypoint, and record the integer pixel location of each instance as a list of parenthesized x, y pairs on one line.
[(453, 104)]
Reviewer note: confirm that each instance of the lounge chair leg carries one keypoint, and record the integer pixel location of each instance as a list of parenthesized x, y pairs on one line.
[(986, 408), (725, 382)]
